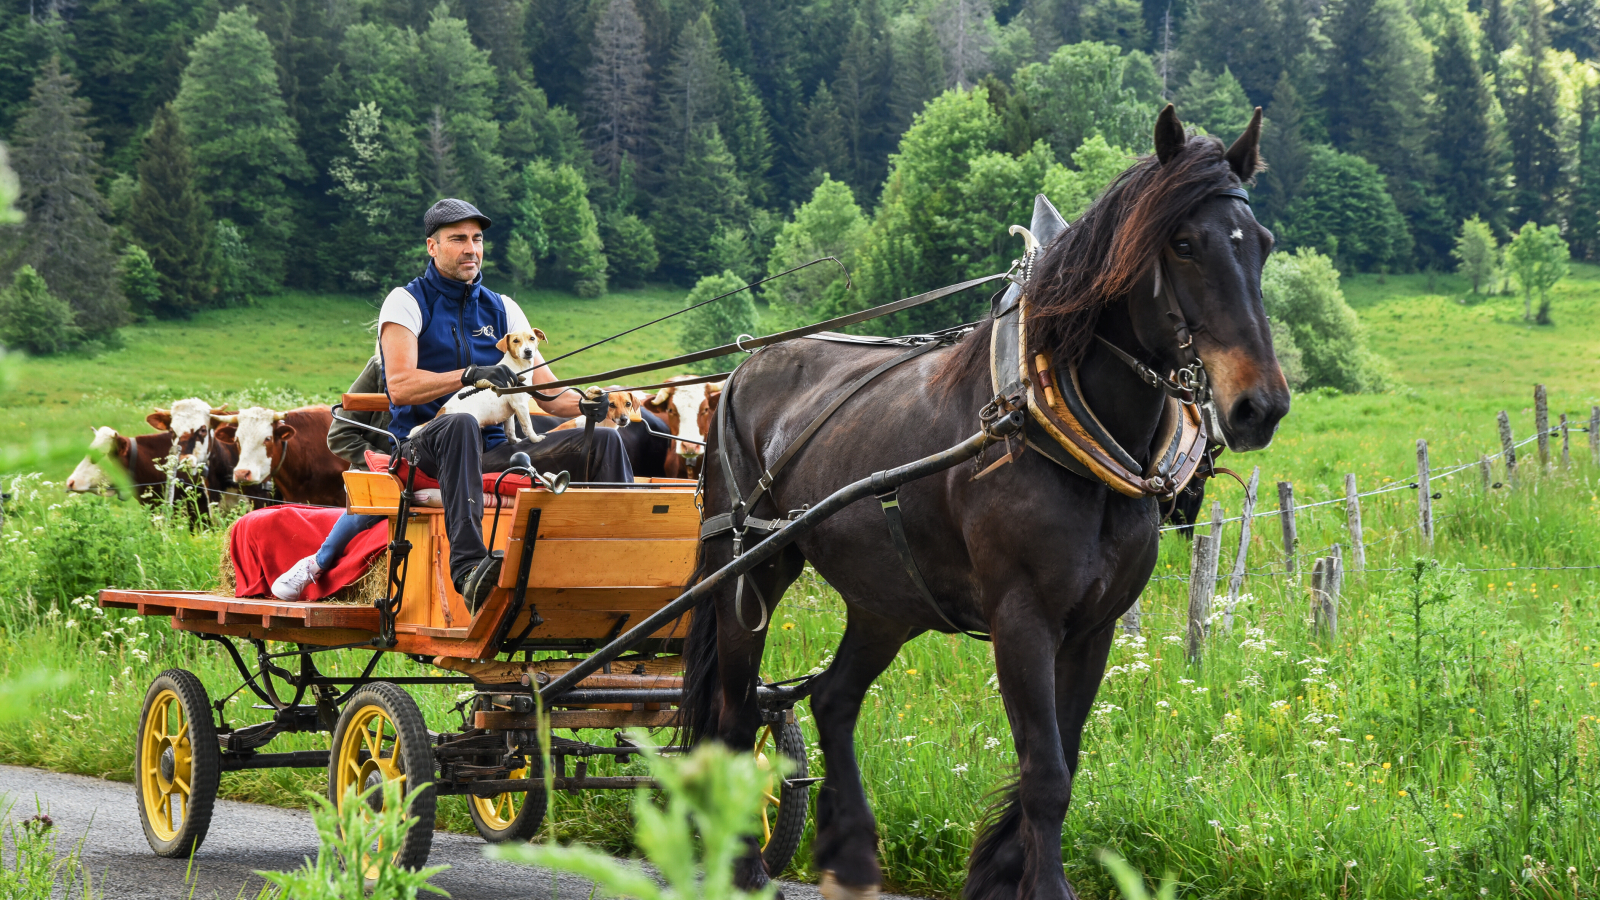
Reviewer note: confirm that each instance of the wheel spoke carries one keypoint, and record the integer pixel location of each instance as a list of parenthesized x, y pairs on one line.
[(772, 800), (179, 785)]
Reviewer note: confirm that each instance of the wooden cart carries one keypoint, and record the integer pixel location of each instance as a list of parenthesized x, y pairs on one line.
[(580, 566)]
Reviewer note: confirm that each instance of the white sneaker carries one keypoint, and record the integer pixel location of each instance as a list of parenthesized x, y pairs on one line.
[(292, 584)]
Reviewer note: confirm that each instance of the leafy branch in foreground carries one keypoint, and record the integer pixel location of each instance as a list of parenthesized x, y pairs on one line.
[(346, 867), (713, 792), (1130, 882)]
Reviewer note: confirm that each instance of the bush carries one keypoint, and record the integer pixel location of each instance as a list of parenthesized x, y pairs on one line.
[(1537, 258), (1477, 254), (1301, 290), (717, 323), (630, 248), (829, 224), (34, 319), (1344, 212), (140, 283)]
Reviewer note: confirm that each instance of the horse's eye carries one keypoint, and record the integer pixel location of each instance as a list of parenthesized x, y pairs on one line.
[(1183, 248)]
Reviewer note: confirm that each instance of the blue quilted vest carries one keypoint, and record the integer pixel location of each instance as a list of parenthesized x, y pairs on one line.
[(461, 323)]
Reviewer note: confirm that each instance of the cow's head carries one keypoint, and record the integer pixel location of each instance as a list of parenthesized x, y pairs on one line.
[(261, 434), (521, 346), (686, 409), (189, 423), (89, 477)]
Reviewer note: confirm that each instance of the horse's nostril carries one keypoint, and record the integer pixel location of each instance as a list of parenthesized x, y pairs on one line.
[(1245, 412)]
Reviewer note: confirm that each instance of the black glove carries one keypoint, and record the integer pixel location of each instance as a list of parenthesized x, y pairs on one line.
[(501, 376), (595, 405)]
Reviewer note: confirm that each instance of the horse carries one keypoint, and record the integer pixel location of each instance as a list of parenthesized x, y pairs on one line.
[(1035, 557)]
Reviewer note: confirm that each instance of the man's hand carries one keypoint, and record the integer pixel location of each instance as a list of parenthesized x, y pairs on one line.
[(501, 376), (594, 405)]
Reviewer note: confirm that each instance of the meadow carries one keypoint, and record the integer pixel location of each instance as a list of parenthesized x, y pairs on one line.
[(1443, 745)]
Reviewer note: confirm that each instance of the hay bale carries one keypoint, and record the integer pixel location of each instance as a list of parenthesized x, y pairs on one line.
[(372, 585)]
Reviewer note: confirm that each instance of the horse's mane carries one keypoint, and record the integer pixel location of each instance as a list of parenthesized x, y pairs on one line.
[(1109, 248)]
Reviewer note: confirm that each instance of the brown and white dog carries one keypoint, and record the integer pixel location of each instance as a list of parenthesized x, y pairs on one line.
[(621, 408), (520, 349)]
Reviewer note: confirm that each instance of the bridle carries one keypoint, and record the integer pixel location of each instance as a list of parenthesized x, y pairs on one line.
[(1189, 383)]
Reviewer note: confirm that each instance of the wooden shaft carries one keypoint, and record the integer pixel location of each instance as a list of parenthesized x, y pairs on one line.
[(1541, 421), (1352, 515), (1286, 514), (1424, 493), (1508, 449), (365, 402), (1566, 444), (1236, 578)]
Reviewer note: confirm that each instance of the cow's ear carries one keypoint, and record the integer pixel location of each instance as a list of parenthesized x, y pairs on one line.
[(119, 447), (282, 431), (504, 344), (160, 420), (540, 335), (227, 433)]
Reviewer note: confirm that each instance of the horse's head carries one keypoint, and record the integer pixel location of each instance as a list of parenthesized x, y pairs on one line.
[(1209, 277)]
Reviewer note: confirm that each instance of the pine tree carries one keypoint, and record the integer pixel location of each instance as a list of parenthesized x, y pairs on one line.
[(1467, 138), (1585, 215), (1287, 150), (1116, 22), (919, 71), (699, 89), (861, 90), (823, 148), (170, 220), (458, 88), (1500, 30), (963, 29), (618, 90), (1216, 103), (66, 238), (241, 136), (702, 197), (1531, 97), (1241, 36)]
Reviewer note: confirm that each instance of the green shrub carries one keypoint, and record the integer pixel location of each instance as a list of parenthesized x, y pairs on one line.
[(829, 224), (33, 319), (1477, 254), (344, 852), (140, 283), (631, 255), (33, 867), (559, 227), (716, 323), (1537, 258), (1344, 211), (1301, 290)]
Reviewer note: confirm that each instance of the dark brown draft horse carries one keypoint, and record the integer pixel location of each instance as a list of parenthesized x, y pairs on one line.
[(1040, 558)]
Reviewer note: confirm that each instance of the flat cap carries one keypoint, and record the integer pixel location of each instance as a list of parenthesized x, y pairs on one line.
[(448, 212)]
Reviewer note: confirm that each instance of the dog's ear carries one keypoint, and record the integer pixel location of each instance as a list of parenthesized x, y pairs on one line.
[(160, 420), (540, 335), (504, 344)]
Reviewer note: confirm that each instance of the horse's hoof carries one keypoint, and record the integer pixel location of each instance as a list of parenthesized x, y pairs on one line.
[(831, 889)]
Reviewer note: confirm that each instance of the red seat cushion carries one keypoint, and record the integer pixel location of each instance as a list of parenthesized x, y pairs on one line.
[(379, 462)]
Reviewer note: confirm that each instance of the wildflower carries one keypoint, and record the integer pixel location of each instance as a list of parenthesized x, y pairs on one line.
[(911, 671), (1174, 714), (960, 771), (991, 742), (788, 626), (1471, 710), (1349, 784), (1186, 681), (1207, 690), (1404, 794), (1351, 808), (1386, 765), (1162, 704), (1214, 823), (1350, 864), (1369, 737)]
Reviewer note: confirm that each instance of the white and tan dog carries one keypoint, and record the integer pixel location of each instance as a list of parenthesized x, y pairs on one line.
[(520, 349)]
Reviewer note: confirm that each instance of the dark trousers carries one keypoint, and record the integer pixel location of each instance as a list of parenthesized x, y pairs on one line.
[(451, 450), (562, 451)]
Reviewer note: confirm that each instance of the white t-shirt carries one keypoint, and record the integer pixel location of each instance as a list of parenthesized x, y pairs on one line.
[(401, 308)]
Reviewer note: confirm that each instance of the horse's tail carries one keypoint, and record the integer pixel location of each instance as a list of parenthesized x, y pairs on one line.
[(699, 712)]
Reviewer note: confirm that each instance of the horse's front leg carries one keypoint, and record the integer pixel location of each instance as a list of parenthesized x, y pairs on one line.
[(1018, 853), (846, 845)]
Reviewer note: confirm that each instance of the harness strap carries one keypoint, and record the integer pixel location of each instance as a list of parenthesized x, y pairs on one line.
[(722, 523), (796, 445), (890, 501)]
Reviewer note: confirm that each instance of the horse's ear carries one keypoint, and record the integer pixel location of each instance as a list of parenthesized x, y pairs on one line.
[(1169, 135), (1244, 157)]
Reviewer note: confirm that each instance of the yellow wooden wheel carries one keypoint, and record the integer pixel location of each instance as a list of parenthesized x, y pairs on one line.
[(177, 763), (512, 816), (783, 806), (381, 737)]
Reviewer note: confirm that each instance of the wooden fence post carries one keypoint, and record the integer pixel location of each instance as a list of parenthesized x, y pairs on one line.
[(1202, 583), (1485, 471), (1333, 583), (1352, 514), (1319, 581), (1236, 578), (1566, 444), (1424, 492), (1594, 435), (1541, 421), (1286, 513), (1508, 449)]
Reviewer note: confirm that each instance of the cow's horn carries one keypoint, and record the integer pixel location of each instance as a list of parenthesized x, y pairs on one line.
[(277, 417), (662, 395), (226, 420)]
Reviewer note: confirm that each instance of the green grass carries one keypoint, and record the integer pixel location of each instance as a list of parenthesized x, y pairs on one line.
[(1478, 688), (286, 350)]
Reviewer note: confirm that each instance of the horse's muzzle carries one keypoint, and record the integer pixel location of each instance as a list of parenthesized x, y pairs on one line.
[(1252, 418)]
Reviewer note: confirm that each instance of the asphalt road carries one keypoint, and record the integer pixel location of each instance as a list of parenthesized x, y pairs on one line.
[(245, 837)]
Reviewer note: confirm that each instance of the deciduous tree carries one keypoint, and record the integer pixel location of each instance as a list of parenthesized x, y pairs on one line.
[(1477, 253), (716, 323), (1537, 259)]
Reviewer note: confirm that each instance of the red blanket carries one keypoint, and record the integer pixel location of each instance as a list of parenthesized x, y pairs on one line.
[(267, 542)]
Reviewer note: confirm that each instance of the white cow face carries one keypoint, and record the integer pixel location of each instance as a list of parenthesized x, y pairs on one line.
[(88, 477), (257, 430), (686, 402), (189, 422)]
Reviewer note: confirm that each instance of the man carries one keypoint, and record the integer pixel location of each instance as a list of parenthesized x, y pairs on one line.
[(437, 335)]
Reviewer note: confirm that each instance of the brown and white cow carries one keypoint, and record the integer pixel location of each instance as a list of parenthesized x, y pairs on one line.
[(136, 456), (688, 410), (290, 449)]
